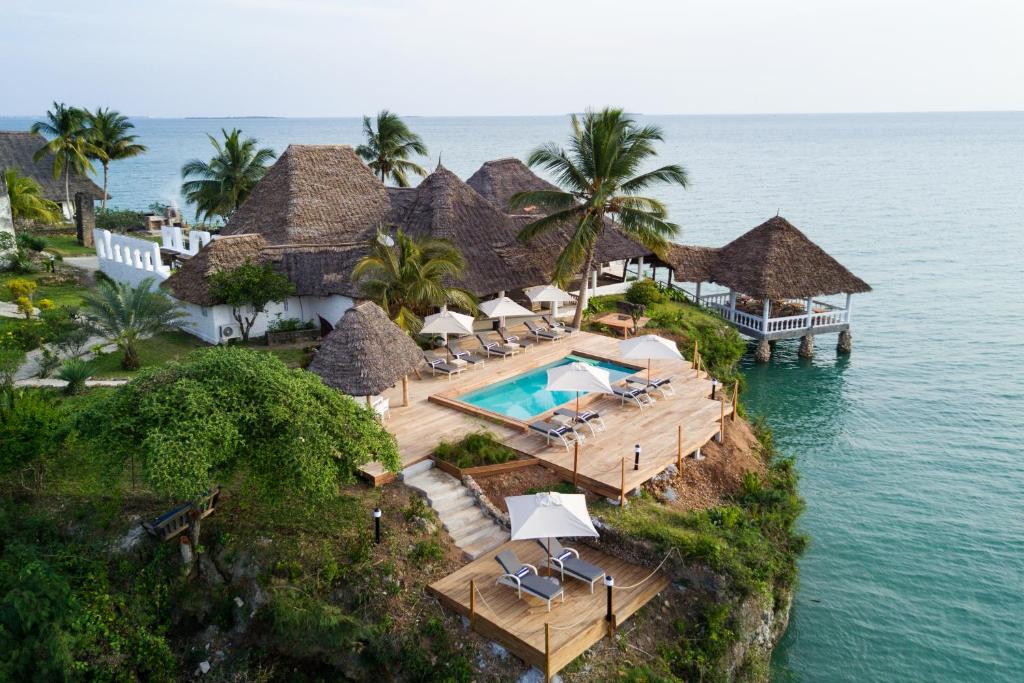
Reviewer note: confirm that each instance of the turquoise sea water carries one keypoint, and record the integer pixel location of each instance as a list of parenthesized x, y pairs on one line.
[(524, 396), (911, 449)]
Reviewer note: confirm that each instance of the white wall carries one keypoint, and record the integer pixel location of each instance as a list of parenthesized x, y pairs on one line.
[(129, 259)]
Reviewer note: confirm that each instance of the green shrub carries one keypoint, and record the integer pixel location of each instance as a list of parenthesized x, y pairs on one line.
[(426, 552), (75, 371), (119, 220), (306, 628), (474, 450), (644, 292), (279, 324), (27, 240)]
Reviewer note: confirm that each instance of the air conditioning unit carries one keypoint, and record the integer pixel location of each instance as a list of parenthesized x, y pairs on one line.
[(229, 332)]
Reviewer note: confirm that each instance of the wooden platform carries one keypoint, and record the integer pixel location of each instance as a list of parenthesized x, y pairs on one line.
[(519, 624), (419, 427)]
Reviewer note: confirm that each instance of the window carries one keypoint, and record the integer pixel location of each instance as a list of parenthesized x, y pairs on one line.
[(205, 311)]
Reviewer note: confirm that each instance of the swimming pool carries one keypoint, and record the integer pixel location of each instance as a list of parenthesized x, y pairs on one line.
[(524, 396)]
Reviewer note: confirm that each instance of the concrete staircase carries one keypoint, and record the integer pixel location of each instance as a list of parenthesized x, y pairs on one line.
[(473, 532)]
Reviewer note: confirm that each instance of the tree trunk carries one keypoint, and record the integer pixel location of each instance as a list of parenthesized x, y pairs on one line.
[(67, 184), (130, 360), (581, 302), (106, 171)]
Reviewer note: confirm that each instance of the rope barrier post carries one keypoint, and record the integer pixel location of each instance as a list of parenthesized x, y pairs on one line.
[(679, 450), (575, 460), (547, 652), (622, 485), (609, 616), (472, 603), (735, 399)]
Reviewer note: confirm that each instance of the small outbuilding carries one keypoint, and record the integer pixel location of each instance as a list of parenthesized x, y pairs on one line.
[(773, 274), (366, 354)]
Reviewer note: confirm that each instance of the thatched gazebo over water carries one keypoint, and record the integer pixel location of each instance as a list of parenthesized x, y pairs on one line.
[(773, 273), (367, 353)]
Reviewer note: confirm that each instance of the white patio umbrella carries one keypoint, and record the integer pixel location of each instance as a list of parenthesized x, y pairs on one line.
[(548, 515), (578, 377), (548, 294), (649, 346), (447, 322), (503, 307)]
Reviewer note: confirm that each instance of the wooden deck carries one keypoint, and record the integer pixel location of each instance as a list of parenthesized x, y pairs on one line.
[(519, 624), (419, 427)]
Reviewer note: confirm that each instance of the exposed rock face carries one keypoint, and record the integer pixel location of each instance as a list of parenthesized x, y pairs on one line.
[(806, 346), (764, 351), (845, 343)]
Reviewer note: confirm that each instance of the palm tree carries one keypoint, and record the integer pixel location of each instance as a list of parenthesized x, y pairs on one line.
[(600, 176), (387, 149), (27, 201), (408, 277), (126, 315), (219, 186), (69, 144), (111, 141)]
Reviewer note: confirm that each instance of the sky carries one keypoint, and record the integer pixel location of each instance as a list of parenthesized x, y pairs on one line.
[(524, 57)]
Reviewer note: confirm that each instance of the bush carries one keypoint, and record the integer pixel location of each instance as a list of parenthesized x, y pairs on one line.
[(119, 220), (644, 292), (279, 324), (48, 361), (25, 306), (426, 552), (75, 371), (20, 287), (27, 240), (474, 450)]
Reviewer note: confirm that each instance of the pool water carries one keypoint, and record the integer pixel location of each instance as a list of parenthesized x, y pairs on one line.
[(524, 396)]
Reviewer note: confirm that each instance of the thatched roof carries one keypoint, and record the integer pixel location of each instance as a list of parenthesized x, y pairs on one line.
[(443, 206), (499, 180), (320, 270), (313, 194), (191, 282), (365, 353), (16, 151), (773, 260)]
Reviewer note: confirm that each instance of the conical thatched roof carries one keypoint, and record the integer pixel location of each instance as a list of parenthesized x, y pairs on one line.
[(191, 282), (313, 194), (774, 260), (445, 207), (17, 149), (365, 353)]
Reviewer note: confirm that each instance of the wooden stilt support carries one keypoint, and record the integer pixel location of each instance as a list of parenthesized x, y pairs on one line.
[(405, 390), (575, 461), (472, 602), (547, 652), (622, 485), (679, 450), (735, 398)]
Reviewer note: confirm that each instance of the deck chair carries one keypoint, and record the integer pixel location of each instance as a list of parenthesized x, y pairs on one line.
[(491, 347), (539, 334), (513, 339), (525, 579), (462, 354), (563, 433), (662, 385), (567, 561), (637, 395), (554, 324), (590, 418), (437, 365)]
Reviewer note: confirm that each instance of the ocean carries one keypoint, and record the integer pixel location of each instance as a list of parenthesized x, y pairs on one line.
[(911, 448)]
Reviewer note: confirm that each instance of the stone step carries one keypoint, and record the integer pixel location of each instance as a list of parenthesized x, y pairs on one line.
[(455, 506), (454, 519), (486, 543), (465, 535), (415, 469)]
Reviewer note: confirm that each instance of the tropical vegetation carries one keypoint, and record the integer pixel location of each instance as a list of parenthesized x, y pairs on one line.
[(110, 138), (126, 315), (68, 142), (410, 276), (250, 286), (601, 175), (219, 186), (388, 147), (27, 201)]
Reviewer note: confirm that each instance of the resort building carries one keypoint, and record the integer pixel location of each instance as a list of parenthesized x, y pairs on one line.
[(773, 274)]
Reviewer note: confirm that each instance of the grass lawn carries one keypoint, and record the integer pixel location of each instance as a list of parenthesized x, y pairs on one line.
[(67, 245), (68, 294)]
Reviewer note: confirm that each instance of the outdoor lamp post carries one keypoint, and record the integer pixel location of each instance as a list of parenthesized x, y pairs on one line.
[(609, 583), (714, 385), (636, 457), (376, 525)]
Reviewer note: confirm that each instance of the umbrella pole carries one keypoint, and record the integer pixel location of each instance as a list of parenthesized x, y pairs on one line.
[(577, 404), (549, 556)]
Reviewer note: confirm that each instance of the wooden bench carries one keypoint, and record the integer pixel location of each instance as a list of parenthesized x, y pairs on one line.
[(173, 522)]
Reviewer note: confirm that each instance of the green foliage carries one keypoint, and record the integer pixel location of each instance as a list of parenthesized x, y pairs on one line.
[(219, 186), (410, 276), (119, 220), (279, 324), (387, 149), (75, 371), (49, 360), (310, 629), (644, 292), (30, 424), (474, 450), (126, 315), (426, 552), (417, 507), (27, 240), (110, 138), (251, 284), (222, 410), (20, 287), (68, 142), (27, 201), (32, 645)]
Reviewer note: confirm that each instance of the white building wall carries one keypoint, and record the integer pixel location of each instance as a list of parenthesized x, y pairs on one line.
[(129, 259)]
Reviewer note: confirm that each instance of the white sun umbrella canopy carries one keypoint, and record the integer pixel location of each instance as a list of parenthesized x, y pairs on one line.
[(503, 307), (447, 322), (548, 294), (579, 377), (549, 515), (649, 346)]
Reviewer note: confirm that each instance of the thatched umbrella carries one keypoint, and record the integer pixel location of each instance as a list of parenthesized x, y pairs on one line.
[(367, 353)]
